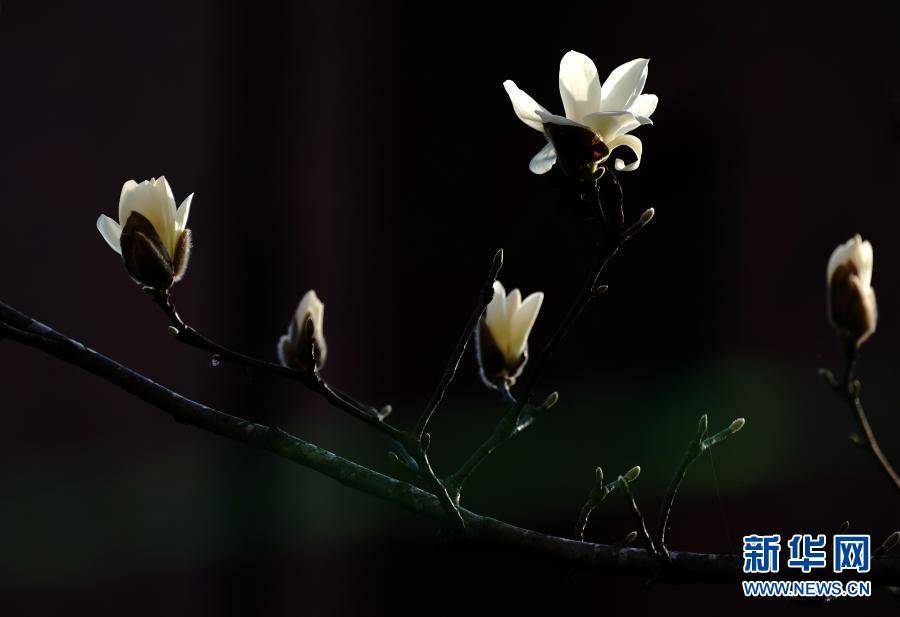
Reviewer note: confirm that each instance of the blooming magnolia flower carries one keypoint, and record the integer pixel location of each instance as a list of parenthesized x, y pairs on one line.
[(851, 299), (305, 335), (503, 333), (608, 111), (151, 234)]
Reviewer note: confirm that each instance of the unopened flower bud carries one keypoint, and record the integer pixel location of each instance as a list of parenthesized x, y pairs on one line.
[(633, 474), (502, 335), (737, 425), (151, 234), (305, 338), (851, 299)]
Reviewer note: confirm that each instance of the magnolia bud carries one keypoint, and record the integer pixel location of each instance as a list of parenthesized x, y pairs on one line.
[(632, 474), (502, 334), (851, 299), (304, 343), (151, 233)]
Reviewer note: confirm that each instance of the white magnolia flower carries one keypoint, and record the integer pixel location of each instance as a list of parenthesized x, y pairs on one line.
[(305, 334), (151, 234), (851, 298), (503, 333), (610, 110)]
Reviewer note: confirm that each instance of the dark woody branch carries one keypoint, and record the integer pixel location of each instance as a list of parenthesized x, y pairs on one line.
[(606, 250), (685, 567), (848, 389), (312, 379), (412, 446), (484, 297), (521, 414), (698, 445)]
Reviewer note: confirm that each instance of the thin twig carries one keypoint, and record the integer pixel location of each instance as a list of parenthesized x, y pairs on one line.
[(638, 518), (311, 379), (607, 249), (698, 445), (505, 429), (485, 295), (848, 388), (599, 492), (685, 566), (515, 421), (314, 381)]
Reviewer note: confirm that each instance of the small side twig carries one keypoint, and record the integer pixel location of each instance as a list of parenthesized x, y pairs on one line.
[(699, 444), (848, 389), (638, 518), (311, 379), (607, 249), (484, 297), (600, 492), (511, 424)]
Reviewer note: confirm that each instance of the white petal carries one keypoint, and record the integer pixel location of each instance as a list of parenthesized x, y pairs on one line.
[(162, 185), (151, 199), (184, 210), (546, 117), (872, 307), (495, 316), (525, 107), (513, 302), (543, 161), (111, 232), (579, 85), (523, 322), (644, 105), (631, 142), (624, 84), (611, 124), (864, 260), (857, 251)]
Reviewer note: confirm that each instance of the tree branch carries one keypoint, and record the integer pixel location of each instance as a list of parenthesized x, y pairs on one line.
[(486, 293), (699, 444), (685, 567), (607, 249), (311, 379), (848, 388)]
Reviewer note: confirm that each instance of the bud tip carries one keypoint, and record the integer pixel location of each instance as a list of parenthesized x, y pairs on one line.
[(737, 425), (633, 474), (551, 400)]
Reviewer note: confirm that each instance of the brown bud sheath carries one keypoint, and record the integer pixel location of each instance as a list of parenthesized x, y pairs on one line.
[(145, 256), (182, 255), (851, 310), (302, 347), (493, 364)]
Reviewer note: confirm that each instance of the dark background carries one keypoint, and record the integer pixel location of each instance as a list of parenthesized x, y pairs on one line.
[(369, 151)]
